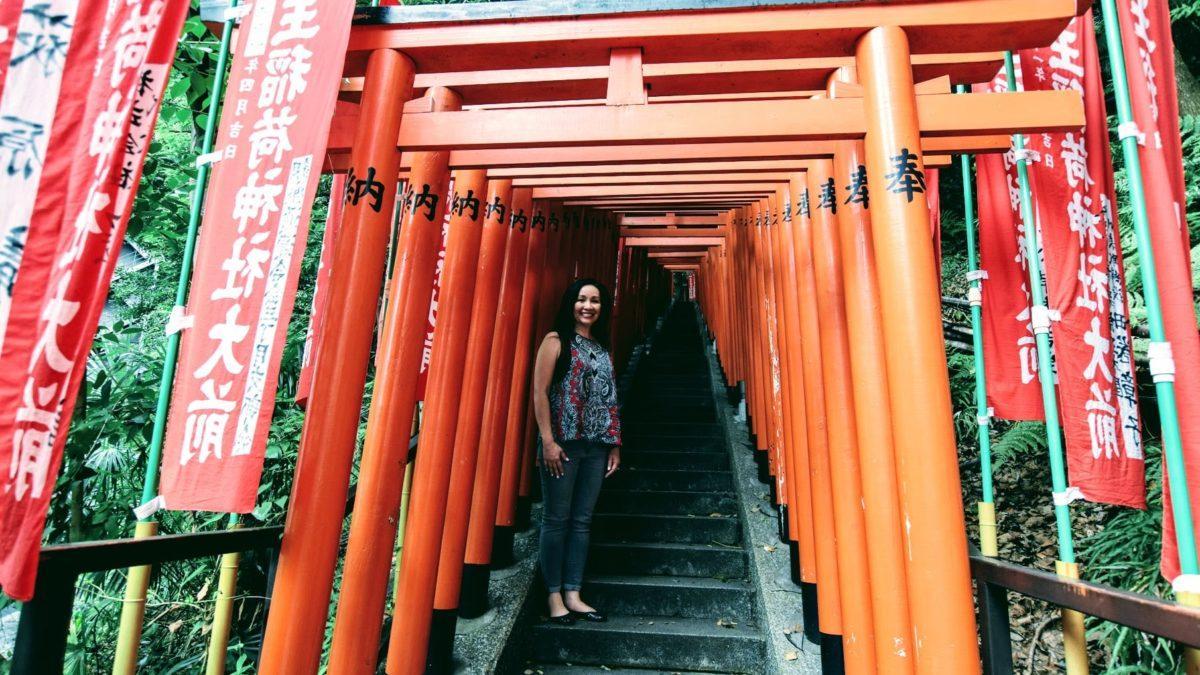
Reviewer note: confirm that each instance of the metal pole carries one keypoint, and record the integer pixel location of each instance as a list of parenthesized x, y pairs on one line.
[(1074, 646), (987, 505), (134, 604)]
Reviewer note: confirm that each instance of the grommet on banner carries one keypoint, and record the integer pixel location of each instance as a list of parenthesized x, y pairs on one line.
[(1130, 130), (178, 321), (975, 296), (150, 508), (1039, 319), (209, 158), (1162, 362), (1067, 496), (976, 275)]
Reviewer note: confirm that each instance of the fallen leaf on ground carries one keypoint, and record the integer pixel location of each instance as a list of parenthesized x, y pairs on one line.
[(791, 656), (768, 548)]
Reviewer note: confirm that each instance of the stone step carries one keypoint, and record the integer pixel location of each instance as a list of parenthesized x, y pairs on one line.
[(671, 559), (662, 643), (568, 669), (668, 459), (672, 502), (634, 441), (631, 527), (682, 597), (636, 478)]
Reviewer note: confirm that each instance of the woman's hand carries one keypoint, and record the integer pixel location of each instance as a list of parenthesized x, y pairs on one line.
[(614, 460), (553, 455)]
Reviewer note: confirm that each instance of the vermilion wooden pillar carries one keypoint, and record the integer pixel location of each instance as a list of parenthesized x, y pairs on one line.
[(788, 518), (518, 396), (381, 468), (495, 411), (801, 487), (427, 513), (467, 459), (300, 598), (881, 503), (854, 578), (829, 597), (939, 577)]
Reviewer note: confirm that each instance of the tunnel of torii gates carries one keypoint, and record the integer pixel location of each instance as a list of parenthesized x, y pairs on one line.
[(623, 145)]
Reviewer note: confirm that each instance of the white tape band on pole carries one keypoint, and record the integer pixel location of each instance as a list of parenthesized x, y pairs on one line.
[(1067, 496), (1039, 319), (1130, 130), (150, 508), (1186, 583), (178, 321), (1162, 362)]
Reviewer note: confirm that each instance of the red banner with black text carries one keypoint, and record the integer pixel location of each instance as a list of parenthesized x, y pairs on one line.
[(1071, 178), (275, 122), (1150, 66), (79, 103)]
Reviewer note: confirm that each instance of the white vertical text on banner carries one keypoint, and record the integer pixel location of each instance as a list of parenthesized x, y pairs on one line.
[(1085, 283), (274, 127), (113, 63)]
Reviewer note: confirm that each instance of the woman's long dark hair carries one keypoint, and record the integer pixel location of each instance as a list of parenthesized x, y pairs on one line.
[(564, 323)]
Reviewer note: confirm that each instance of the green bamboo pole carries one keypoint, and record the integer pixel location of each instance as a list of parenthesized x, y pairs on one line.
[(1074, 643), (133, 607), (987, 505), (1164, 377), (1164, 387)]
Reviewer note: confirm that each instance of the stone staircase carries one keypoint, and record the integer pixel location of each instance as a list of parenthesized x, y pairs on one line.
[(667, 563)]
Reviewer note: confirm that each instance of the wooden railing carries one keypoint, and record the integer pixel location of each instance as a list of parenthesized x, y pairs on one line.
[(994, 578)]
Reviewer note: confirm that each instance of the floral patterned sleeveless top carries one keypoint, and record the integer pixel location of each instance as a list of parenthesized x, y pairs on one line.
[(583, 405)]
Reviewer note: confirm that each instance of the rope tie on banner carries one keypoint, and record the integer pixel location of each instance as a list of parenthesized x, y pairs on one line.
[(178, 321), (1130, 130), (975, 292), (150, 508), (209, 158), (1067, 496), (986, 417), (1162, 362)]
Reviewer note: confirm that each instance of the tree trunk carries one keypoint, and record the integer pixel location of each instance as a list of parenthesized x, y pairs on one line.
[(1188, 86)]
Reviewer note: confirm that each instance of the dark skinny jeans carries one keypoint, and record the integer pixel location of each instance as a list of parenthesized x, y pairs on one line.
[(567, 505)]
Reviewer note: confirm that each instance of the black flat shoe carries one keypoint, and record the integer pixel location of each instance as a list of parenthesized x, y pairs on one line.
[(593, 616), (567, 619)]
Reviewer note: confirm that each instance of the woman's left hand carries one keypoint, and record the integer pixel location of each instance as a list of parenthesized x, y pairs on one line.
[(614, 460)]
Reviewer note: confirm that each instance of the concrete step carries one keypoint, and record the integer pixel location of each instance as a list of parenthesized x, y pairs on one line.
[(681, 597), (631, 527), (665, 459), (679, 503), (671, 559), (567, 669), (668, 426), (635, 441), (636, 478), (662, 643)]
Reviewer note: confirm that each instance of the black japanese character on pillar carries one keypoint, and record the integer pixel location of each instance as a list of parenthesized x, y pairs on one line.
[(858, 187), (539, 220), (906, 178), (828, 196), (357, 188), (553, 222), (787, 211), (495, 207), (802, 207), (519, 218), (461, 204), (426, 199)]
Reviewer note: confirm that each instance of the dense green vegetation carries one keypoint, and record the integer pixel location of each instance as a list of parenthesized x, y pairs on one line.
[(101, 478)]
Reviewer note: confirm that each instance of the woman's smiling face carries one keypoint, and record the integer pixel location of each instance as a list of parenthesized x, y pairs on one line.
[(587, 306)]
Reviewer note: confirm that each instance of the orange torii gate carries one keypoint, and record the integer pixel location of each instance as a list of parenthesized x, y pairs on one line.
[(525, 137)]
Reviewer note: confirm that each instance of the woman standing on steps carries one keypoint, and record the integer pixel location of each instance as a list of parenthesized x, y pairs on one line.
[(575, 404)]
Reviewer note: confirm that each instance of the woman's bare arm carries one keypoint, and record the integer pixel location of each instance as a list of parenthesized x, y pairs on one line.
[(543, 371)]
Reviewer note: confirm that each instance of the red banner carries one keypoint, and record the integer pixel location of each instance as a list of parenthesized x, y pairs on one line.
[(117, 59), (282, 88), (1009, 350), (1150, 65), (1085, 283), (320, 299), (10, 14)]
